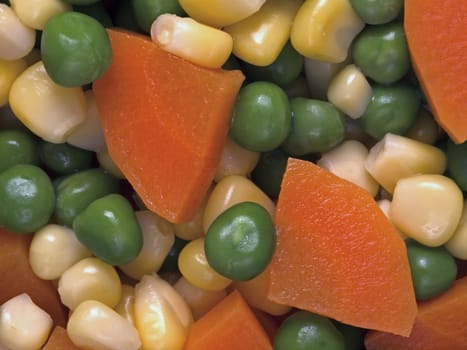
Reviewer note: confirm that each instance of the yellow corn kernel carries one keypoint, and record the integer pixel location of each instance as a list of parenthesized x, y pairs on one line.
[(194, 266), (427, 208), (231, 190), (161, 314), (89, 278), (259, 39), (9, 71), (255, 292), (319, 75), (220, 13), (49, 110), (107, 163), (199, 300), (158, 239), (191, 40), (396, 157), (34, 13), (457, 244), (16, 39), (350, 92), (89, 135), (348, 162), (126, 304), (94, 325), (23, 324), (425, 129), (324, 29), (235, 160), (54, 249)]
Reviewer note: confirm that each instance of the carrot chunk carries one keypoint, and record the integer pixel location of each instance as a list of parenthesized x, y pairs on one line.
[(338, 255), (165, 122)]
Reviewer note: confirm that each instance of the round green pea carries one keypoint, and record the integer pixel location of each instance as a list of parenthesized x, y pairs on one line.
[(27, 198), (317, 126), (64, 158), (305, 330), (75, 49), (377, 11), (433, 269), (240, 242), (261, 117), (146, 11), (457, 163), (17, 147)]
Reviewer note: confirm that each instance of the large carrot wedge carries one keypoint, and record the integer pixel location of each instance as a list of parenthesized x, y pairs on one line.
[(338, 255), (441, 323), (165, 122), (435, 33)]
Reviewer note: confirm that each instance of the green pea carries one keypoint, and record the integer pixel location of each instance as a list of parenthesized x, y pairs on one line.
[(123, 16), (240, 242), (75, 49), (146, 11), (97, 11), (377, 11), (457, 163), (317, 126), (304, 330), (75, 192), (269, 171), (261, 117), (17, 147), (381, 52), (64, 158), (392, 109), (27, 198), (284, 70), (109, 228), (433, 269)]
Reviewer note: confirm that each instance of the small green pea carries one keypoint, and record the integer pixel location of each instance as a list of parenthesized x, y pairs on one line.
[(146, 11), (64, 158), (377, 11), (17, 147)]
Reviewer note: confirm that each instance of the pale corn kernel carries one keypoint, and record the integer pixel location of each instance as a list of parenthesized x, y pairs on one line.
[(16, 39), (231, 190), (89, 134), (9, 71), (23, 324), (199, 300), (35, 13), (126, 304), (427, 208), (106, 162), (259, 38), (324, 29), (161, 314), (348, 162), (235, 160), (89, 279), (319, 75), (350, 92), (220, 13), (191, 40), (94, 325), (255, 292), (457, 244), (396, 157), (385, 206), (158, 239), (54, 249), (194, 266), (49, 110)]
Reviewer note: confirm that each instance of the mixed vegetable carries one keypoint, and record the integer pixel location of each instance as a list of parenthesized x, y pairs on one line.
[(251, 174)]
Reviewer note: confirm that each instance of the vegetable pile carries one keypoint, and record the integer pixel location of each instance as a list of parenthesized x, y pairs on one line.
[(251, 174)]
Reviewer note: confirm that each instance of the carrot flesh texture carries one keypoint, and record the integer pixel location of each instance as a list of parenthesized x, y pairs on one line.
[(165, 122), (18, 277), (230, 325), (435, 32), (59, 340), (441, 323), (338, 255)]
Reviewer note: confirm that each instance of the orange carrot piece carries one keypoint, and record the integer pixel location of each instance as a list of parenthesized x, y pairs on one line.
[(441, 323), (338, 255), (230, 325), (165, 122), (59, 340), (435, 32), (18, 277)]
